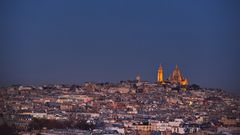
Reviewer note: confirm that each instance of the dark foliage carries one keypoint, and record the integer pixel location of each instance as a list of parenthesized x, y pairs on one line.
[(50, 124), (56, 124), (194, 87), (7, 130)]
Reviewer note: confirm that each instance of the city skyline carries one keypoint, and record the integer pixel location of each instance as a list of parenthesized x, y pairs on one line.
[(119, 67), (73, 42)]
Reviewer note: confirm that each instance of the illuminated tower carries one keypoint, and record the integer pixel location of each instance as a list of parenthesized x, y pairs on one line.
[(160, 74)]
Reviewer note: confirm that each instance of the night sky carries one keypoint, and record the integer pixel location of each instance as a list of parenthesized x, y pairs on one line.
[(70, 42)]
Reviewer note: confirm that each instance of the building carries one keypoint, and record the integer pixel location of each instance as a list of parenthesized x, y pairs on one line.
[(175, 77), (138, 78), (160, 74)]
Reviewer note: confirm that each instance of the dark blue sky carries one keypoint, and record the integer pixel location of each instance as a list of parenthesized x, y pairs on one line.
[(75, 41)]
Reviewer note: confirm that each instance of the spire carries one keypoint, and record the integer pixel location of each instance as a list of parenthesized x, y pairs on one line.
[(176, 67), (160, 66), (160, 74)]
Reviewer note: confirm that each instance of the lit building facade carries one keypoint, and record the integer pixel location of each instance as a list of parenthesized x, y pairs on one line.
[(175, 77)]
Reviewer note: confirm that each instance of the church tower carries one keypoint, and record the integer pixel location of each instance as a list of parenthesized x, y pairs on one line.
[(160, 74)]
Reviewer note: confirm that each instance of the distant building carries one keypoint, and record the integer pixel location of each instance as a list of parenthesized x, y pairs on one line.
[(138, 78), (160, 74), (175, 77)]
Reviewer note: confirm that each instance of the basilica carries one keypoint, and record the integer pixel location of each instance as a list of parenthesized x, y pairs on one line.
[(175, 77)]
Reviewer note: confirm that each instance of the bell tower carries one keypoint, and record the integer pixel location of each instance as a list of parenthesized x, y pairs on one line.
[(160, 74)]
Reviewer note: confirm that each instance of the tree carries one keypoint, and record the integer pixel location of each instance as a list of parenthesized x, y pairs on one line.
[(50, 124), (7, 130), (195, 87)]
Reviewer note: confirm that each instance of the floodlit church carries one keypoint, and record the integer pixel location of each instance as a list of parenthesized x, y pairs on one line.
[(175, 77)]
